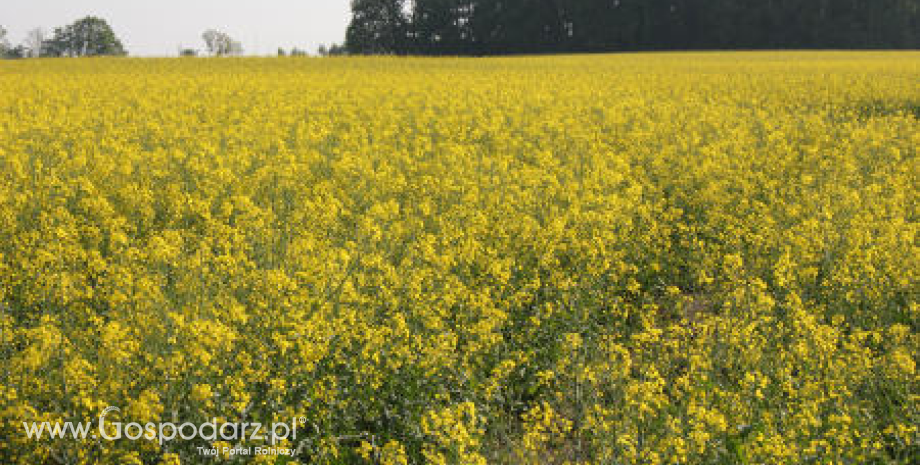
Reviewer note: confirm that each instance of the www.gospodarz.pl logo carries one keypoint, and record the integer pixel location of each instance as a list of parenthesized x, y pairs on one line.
[(164, 432)]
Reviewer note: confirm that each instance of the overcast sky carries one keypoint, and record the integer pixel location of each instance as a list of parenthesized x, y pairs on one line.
[(159, 27)]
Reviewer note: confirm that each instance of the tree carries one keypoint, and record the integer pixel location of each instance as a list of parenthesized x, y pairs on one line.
[(18, 51), (377, 27), (6, 51), (337, 50), (331, 50), (34, 41), (217, 43), (442, 27), (220, 43), (4, 44), (90, 36)]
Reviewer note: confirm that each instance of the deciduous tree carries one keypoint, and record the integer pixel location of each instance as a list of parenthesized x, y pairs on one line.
[(90, 36)]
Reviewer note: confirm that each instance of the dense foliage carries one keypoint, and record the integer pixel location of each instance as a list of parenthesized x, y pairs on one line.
[(477, 27), (691, 258), (89, 36)]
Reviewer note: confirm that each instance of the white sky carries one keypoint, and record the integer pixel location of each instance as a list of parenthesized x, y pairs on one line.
[(159, 27)]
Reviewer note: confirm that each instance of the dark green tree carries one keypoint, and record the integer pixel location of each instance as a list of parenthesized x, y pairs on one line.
[(487, 27), (377, 27), (90, 36)]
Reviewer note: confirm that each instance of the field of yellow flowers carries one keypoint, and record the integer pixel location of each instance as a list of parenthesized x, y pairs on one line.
[(705, 258)]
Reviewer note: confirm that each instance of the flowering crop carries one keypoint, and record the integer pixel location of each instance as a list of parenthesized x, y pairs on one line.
[(651, 258)]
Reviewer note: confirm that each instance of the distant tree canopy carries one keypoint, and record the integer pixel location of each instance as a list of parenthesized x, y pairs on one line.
[(331, 50), (90, 36), (487, 27), (220, 43), (4, 44), (35, 40), (7, 50)]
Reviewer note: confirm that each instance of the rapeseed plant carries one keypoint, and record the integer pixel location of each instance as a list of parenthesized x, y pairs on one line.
[(657, 259)]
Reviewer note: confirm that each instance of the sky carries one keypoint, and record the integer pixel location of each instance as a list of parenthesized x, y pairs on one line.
[(160, 27)]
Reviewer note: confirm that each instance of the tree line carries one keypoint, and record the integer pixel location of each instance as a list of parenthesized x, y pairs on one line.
[(493, 27), (92, 36)]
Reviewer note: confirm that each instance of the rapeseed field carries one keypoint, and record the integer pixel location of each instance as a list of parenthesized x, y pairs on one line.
[(706, 258)]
